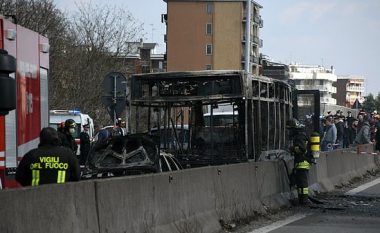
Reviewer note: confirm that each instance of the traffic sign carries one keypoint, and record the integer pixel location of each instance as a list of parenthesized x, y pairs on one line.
[(114, 98)]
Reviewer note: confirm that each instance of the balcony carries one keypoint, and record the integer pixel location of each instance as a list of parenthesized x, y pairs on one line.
[(322, 88), (328, 100), (256, 40), (257, 19), (355, 89), (254, 60), (307, 101)]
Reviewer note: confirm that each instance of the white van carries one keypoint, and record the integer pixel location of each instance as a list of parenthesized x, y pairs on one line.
[(59, 116)]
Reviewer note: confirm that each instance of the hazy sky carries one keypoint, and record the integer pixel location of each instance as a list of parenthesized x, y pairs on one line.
[(340, 33)]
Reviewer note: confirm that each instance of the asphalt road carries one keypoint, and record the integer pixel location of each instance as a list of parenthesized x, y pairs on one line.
[(356, 211)]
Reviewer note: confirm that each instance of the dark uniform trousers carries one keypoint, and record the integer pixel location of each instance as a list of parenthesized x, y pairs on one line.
[(301, 166), (302, 172)]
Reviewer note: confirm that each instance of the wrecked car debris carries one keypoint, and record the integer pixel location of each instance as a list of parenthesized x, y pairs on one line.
[(128, 155)]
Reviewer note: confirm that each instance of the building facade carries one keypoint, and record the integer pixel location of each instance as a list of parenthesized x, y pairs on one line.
[(311, 77), (142, 59), (212, 35), (349, 89)]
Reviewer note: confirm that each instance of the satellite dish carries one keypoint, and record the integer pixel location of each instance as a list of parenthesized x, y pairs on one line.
[(114, 98)]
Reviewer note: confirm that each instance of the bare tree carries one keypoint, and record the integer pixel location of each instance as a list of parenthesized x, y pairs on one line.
[(41, 16), (83, 48), (100, 37), (38, 15)]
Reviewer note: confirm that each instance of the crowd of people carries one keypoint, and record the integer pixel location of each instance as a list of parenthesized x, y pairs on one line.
[(340, 131)]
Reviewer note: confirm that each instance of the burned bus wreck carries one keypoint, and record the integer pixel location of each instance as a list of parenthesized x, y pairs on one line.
[(212, 117)]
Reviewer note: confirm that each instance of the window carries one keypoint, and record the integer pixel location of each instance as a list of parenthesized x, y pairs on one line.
[(160, 65), (208, 67), (208, 28), (209, 8), (209, 49)]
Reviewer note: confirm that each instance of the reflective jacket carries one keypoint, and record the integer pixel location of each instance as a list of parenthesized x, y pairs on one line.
[(300, 151), (48, 164)]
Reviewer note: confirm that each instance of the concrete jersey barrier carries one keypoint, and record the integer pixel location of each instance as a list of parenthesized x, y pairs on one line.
[(193, 200)]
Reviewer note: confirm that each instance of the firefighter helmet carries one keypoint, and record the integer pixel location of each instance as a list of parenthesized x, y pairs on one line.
[(70, 123)]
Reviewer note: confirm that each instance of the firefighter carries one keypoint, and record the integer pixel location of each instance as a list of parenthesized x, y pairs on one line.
[(302, 158), (67, 135), (49, 163), (119, 128)]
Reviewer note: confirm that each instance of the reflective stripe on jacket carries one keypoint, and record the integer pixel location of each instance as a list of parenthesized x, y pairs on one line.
[(303, 165)]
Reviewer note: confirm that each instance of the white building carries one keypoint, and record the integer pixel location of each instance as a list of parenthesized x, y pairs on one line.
[(312, 77)]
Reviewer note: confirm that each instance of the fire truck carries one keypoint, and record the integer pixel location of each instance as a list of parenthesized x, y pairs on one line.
[(20, 128)]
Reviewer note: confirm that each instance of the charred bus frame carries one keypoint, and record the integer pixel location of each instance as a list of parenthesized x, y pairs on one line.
[(175, 103)]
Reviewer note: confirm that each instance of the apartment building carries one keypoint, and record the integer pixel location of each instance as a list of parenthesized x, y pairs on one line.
[(213, 35), (349, 89), (312, 77)]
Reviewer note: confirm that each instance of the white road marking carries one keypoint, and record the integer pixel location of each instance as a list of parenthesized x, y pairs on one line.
[(363, 187), (297, 217), (279, 224)]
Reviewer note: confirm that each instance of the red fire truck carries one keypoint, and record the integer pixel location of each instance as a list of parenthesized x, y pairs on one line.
[(20, 128)]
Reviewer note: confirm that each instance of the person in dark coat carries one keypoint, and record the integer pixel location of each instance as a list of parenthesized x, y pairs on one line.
[(49, 163), (363, 136), (101, 134), (377, 136), (66, 135), (329, 136), (339, 132), (85, 144), (354, 129), (350, 119), (346, 135)]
